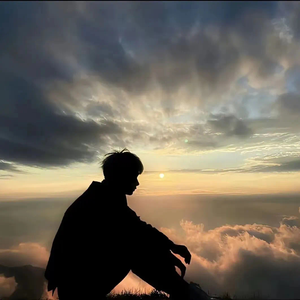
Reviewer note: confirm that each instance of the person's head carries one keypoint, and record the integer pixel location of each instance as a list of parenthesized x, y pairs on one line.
[(121, 168)]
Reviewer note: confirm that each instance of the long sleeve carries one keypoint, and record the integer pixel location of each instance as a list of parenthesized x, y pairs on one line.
[(146, 231)]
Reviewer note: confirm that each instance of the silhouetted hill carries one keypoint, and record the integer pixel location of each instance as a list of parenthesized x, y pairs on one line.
[(30, 281)]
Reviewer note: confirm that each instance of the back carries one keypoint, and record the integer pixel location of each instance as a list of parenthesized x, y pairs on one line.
[(88, 231)]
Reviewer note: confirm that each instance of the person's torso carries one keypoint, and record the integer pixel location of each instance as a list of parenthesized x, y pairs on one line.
[(93, 232)]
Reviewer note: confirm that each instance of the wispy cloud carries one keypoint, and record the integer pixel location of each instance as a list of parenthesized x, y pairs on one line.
[(4, 166)]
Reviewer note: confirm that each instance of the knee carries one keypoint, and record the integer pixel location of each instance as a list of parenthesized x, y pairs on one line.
[(179, 289)]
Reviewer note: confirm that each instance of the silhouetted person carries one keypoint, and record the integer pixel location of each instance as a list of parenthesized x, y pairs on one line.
[(100, 239), (30, 281)]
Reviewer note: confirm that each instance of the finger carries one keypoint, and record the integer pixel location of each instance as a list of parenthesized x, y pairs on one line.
[(177, 262), (180, 265), (188, 257), (182, 269)]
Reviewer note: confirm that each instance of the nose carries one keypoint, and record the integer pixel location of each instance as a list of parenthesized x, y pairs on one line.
[(137, 182)]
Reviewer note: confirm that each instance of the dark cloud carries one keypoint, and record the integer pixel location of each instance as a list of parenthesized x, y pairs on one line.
[(131, 48), (229, 125), (267, 236), (285, 164), (135, 42), (292, 10), (293, 78), (8, 167), (47, 139), (291, 221), (33, 130), (289, 103), (195, 48)]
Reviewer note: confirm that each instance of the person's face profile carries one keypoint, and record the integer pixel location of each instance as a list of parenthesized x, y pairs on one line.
[(129, 183)]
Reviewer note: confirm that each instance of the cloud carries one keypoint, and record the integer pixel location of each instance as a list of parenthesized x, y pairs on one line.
[(291, 166), (289, 103), (27, 261), (78, 79), (4, 166), (293, 11), (239, 259), (291, 221), (277, 163), (7, 286), (244, 259), (23, 254), (288, 162), (54, 140), (22, 270), (33, 130), (229, 125), (42, 136), (6, 176)]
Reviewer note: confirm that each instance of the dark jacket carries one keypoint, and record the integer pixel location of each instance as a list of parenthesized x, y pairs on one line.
[(99, 231)]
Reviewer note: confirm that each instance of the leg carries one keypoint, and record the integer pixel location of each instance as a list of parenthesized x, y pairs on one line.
[(78, 290), (168, 282), (91, 286), (162, 275)]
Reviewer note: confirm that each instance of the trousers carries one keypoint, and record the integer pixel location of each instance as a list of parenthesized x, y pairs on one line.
[(157, 272)]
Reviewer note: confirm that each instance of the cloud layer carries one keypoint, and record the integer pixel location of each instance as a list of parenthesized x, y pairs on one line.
[(245, 260), (240, 259), (79, 79)]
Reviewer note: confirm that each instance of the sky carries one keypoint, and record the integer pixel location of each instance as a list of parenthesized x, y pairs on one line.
[(206, 93)]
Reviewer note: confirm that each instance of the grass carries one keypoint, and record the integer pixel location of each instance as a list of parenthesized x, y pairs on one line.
[(140, 295), (137, 295), (157, 295)]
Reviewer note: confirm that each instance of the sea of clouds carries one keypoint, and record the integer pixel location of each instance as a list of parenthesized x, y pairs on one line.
[(242, 260)]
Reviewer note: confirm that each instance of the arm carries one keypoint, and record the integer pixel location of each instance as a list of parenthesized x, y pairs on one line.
[(151, 233), (156, 236)]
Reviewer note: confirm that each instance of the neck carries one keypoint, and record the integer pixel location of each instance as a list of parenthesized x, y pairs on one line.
[(113, 185)]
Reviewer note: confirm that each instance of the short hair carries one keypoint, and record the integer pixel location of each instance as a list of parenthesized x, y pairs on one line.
[(118, 163)]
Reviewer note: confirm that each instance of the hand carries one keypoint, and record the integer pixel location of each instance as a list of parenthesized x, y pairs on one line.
[(182, 251), (177, 262)]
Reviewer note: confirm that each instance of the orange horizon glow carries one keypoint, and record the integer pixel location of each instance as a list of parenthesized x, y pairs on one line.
[(151, 184)]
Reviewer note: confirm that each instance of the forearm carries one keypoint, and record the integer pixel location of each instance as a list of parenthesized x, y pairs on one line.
[(158, 236), (149, 232)]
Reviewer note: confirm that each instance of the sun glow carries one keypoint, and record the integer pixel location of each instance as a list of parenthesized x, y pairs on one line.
[(161, 175)]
